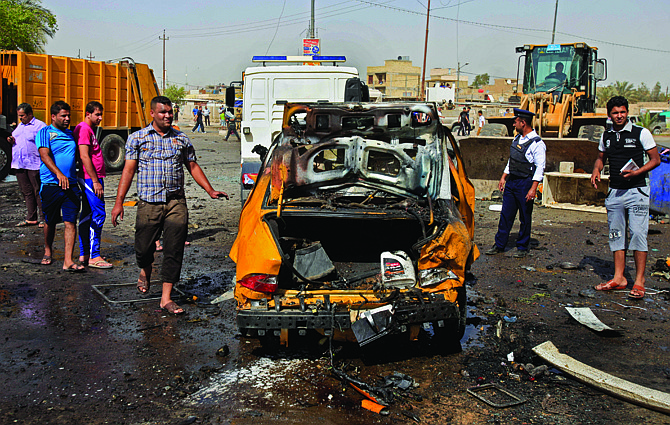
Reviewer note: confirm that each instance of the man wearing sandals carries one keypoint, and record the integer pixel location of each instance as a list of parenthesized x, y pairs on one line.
[(158, 154), (59, 192), (91, 181), (628, 197), (26, 162)]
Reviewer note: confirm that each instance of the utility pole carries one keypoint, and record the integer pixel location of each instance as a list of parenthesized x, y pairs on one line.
[(458, 79), (553, 32), (90, 56), (422, 89), (164, 39), (79, 54), (311, 31)]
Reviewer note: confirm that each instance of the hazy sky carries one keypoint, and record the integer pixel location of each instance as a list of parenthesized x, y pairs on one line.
[(213, 41)]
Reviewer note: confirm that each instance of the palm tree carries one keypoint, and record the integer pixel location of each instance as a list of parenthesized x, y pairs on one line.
[(625, 89), (26, 25), (603, 94)]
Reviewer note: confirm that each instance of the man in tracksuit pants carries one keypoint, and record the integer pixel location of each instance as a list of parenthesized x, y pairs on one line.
[(91, 180), (627, 202), (522, 175)]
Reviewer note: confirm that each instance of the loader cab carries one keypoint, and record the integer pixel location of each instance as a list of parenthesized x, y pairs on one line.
[(563, 69)]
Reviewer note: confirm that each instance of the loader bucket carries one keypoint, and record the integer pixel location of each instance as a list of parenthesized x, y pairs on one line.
[(485, 158)]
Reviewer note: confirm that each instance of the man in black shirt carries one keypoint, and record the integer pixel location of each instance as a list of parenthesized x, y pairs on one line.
[(627, 202)]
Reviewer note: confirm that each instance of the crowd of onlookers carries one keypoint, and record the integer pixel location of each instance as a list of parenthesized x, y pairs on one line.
[(61, 175)]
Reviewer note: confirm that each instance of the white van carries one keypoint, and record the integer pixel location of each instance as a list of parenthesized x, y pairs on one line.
[(267, 88)]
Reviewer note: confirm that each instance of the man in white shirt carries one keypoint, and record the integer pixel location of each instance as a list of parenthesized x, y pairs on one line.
[(522, 175), (482, 121)]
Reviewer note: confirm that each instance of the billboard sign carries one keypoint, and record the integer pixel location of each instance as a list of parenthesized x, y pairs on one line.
[(311, 46)]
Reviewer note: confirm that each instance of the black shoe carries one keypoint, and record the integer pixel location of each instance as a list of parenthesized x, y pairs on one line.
[(494, 250), (520, 253)]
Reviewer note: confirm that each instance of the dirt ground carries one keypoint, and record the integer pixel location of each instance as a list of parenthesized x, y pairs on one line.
[(68, 355)]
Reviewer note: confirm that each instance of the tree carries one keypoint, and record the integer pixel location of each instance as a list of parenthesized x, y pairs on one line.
[(25, 25), (603, 94), (646, 121), (481, 80), (656, 95), (642, 93), (176, 94), (625, 89)]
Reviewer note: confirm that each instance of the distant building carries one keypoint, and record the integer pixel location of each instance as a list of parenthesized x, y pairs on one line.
[(501, 90), (446, 77), (397, 79)]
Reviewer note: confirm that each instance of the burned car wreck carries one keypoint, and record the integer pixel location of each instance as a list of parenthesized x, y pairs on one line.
[(360, 225)]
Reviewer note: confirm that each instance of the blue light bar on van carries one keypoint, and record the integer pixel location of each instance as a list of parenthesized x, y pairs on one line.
[(298, 59), (329, 58)]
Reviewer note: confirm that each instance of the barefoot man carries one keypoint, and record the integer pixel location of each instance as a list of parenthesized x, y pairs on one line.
[(627, 202)]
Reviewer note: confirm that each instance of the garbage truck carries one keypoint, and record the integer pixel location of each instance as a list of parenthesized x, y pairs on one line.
[(125, 89)]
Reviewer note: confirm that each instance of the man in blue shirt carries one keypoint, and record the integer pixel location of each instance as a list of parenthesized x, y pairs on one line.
[(158, 154), (59, 191)]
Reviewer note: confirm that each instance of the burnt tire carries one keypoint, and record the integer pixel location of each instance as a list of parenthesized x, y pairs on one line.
[(113, 149), (447, 340), (494, 130), (591, 132), (5, 156)]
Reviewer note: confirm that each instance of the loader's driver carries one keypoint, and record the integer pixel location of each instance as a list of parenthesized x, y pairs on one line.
[(556, 79), (558, 74)]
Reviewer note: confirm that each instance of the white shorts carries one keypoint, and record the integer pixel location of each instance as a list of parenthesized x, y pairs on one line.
[(628, 208)]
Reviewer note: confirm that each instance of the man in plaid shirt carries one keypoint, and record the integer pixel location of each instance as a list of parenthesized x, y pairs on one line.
[(158, 154)]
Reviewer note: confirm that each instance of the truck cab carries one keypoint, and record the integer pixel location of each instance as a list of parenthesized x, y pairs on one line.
[(268, 87), (559, 86), (563, 69)]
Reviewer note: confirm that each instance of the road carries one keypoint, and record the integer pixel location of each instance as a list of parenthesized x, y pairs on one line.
[(70, 356)]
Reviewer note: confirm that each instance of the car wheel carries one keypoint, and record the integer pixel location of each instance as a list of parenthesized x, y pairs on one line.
[(455, 128), (113, 149), (656, 130), (5, 156)]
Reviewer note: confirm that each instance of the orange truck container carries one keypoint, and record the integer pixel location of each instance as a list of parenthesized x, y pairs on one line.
[(124, 88)]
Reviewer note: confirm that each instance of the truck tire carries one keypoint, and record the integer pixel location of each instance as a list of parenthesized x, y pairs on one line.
[(591, 132), (5, 156), (455, 129), (113, 149), (494, 130), (657, 130)]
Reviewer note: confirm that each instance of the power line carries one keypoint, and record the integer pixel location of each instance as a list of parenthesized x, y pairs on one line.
[(276, 29), (614, 44), (511, 29), (270, 21), (260, 25)]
